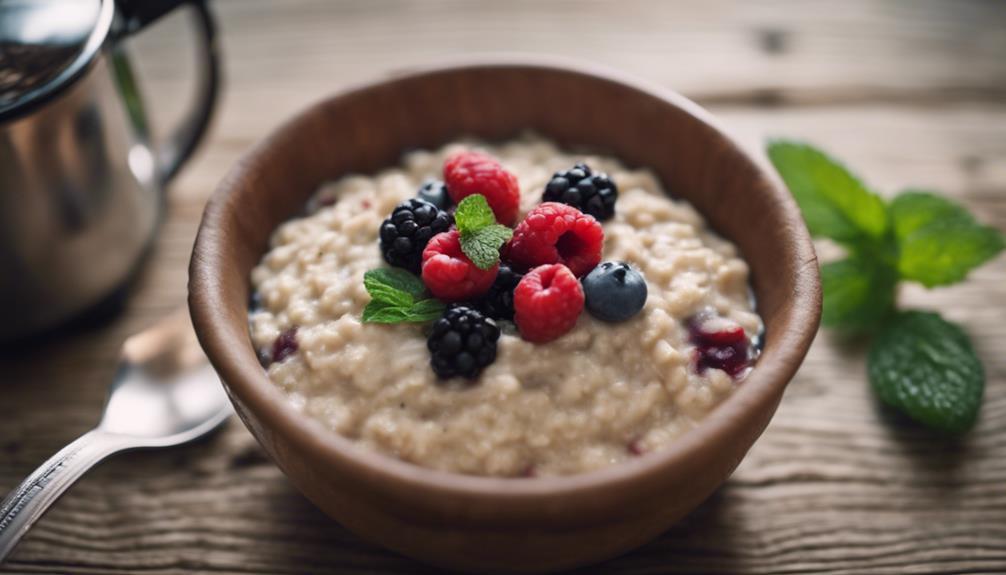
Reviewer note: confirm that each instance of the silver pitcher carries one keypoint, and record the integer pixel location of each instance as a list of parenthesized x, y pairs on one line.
[(81, 179)]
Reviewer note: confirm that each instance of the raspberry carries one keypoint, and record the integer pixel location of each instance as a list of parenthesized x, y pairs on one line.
[(404, 233), (462, 342), (468, 173), (591, 193), (557, 233), (547, 302), (449, 274)]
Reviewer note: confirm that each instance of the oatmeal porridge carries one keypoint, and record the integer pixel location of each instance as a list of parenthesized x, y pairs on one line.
[(603, 392)]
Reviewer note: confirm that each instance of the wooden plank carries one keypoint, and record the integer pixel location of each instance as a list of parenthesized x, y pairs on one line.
[(281, 56)]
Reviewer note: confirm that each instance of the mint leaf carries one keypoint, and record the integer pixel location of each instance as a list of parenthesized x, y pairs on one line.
[(422, 311), (473, 213), (382, 283), (426, 310), (925, 367), (481, 236), (382, 312), (483, 246), (393, 295), (834, 202), (939, 242), (858, 293)]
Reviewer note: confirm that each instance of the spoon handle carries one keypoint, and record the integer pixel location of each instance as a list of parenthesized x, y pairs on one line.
[(30, 500)]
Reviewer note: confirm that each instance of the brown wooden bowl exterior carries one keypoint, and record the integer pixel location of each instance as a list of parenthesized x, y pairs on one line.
[(494, 524)]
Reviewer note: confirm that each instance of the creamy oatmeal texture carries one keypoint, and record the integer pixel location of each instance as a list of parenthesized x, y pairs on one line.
[(598, 395)]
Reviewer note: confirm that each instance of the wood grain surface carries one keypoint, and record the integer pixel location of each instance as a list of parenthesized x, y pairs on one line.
[(908, 92)]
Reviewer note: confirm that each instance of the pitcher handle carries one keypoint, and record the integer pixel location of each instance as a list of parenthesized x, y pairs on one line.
[(179, 145)]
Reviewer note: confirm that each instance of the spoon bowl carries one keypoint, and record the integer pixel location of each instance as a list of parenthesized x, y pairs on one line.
[(165, 393)]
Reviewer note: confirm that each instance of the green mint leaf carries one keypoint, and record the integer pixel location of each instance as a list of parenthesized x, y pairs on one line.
[(925, 367), (858, 293), (834, 202), (426, 310), (393, 285), (939, 242), (382, 312), (473, 214), (483, 246), (419, 312)]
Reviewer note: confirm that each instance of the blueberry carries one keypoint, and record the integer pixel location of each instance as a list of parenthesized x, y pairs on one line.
[(614, 291), (435, 192)]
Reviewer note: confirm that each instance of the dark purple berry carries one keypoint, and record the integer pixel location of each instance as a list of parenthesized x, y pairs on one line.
[(591, 193), (462, 342), (405, 233)]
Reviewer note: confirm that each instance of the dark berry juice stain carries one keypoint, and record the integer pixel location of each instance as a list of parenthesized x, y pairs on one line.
[(285, 345), (720, 344), (635, 447)]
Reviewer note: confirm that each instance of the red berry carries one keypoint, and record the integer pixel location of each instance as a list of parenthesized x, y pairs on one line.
[(467, 173), (707, 328), (547, 302), (720, 343), (449, 274), (557, 233)]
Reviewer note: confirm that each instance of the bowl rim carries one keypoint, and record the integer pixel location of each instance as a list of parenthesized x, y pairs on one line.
[(761, 389)]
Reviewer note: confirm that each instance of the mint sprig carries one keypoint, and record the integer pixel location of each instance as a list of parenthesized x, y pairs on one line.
[(481, 236), (396, 298), (919, 363)]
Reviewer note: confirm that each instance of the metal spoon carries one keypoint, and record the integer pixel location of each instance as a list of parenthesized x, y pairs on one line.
[(165, 393)]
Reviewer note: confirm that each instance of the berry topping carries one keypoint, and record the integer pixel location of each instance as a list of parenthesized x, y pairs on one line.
[(547, 302), (591, 193), (468, 173), (285, 345), (614, 291), (449, 274), (720, 343), (498, 301), (462, 342), (557, 233), (405, 233), (435, 192)]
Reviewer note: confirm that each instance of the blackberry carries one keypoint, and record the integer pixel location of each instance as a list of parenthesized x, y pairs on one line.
[(462, 342), (405, 233), (591, 193), (498, 301)]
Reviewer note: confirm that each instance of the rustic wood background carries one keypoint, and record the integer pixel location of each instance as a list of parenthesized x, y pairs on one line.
[(909, 92)]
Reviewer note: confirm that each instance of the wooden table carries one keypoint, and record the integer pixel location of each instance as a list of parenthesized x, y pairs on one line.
[(908, 92)]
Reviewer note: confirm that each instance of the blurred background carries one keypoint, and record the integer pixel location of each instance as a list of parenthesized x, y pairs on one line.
[(908, 92)]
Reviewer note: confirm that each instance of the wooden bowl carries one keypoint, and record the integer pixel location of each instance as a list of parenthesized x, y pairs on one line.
[(494, 524)]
